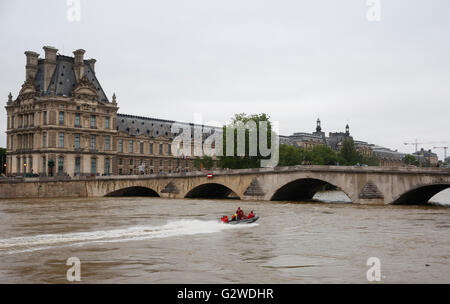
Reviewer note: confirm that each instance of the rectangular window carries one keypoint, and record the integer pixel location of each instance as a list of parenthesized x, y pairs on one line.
[(169, 148), (131, 162), (61, 140), (44, 164), (107, 123), (151, 148), (141, 148), (12, 122), (77, 165), (130, 146), (60, 164), (61, 118), (160, 149), (107, 143), (32, 120), (93, 142), (93, 165), (120, 145), (45, 118), (77, 120), (120, 161), (93, 124), (44, 140), (77, 141), (106, 165)]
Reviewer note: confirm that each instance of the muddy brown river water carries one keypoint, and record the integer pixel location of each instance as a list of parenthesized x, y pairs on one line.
[(155, 240)]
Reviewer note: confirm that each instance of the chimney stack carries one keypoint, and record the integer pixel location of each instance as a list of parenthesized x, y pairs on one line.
[(49, 64), (92, 64), (32, 64), (79, 64)]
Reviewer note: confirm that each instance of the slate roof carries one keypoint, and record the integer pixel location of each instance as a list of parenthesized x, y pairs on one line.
[(63, 79), (152, 127)]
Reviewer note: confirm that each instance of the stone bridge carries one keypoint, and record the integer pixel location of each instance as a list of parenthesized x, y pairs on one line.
[(363, 185)]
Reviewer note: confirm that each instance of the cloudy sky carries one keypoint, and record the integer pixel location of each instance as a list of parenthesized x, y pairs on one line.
[(293, 59)]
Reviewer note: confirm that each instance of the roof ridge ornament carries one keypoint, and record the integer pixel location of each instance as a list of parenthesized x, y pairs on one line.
[(10, 100)]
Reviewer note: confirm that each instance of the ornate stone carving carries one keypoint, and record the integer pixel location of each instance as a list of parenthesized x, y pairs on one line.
[(10, 100), (28, 90), (85, 90)]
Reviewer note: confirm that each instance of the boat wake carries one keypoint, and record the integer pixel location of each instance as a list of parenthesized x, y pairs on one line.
[(135, 233)]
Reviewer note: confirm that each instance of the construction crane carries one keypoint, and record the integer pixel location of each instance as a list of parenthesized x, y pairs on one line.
[(415, 143), (445, 151)]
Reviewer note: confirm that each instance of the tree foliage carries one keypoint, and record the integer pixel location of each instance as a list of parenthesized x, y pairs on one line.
[(411, 160), (203, 162), (246, 161)]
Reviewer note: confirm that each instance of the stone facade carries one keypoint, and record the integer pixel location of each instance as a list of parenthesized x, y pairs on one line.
[(424, 156), (62, 123)]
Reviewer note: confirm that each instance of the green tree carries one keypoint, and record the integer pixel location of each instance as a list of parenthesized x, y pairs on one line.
[(411, 160), (370, 160), (323, 155), (246, 161), (289, 156), (348, 154), (203, 162)]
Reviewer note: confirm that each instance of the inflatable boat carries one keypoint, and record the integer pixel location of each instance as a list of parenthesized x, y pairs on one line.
[(243, 221)]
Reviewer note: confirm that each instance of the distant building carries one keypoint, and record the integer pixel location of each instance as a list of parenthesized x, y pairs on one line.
[(310, 140), (424, 156), (447, 160), (386, 156)]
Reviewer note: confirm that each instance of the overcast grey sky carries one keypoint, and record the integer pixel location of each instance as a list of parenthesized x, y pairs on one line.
[(292, 59)]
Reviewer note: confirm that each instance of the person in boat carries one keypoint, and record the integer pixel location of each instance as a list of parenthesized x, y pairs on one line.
[(234, 217), (251, 214), (224, 219), (240, 214)]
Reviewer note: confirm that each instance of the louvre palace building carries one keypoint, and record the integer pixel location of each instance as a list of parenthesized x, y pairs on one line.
[(62, 123)]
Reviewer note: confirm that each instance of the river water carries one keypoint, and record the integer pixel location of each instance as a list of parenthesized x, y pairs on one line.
[(155, 240)]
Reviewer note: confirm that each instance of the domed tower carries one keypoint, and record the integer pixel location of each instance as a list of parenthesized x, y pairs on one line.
[(318, 127), (347, 130)]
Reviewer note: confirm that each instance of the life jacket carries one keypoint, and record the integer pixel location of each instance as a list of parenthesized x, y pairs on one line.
[(250, 215), (225, 219)]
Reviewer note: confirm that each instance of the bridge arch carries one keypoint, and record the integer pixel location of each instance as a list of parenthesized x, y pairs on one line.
[(212, 190), (134, 191), (303, 188), (420, 195)]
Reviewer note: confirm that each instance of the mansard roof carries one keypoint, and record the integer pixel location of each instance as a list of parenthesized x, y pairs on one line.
[(152, 127), (63, 80)]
